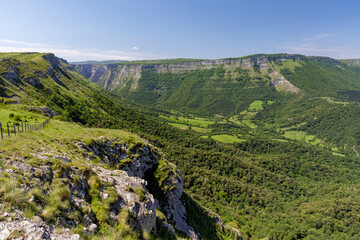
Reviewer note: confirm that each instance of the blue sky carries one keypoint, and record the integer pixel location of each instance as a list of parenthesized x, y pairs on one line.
[(153, 29)]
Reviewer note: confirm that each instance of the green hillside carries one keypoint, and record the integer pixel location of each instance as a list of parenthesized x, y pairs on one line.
[(320, 92), (283, 177)]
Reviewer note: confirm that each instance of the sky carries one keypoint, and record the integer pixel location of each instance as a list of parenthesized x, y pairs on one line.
[(79, 30)]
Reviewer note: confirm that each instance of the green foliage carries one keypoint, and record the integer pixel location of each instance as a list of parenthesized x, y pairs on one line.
[(323, 77), (205, 222), (204, 92)]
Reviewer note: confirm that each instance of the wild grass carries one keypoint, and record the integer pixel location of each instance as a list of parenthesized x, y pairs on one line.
[(256, 105), (227, 138), (290, 64), (302, 136), (201, 130), (180, 126), (197, 122)]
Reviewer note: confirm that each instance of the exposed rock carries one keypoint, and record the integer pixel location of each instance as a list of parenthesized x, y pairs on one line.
[(142, 163), (54, 75), (173, 207), (111, 152), (283, 85), (30, 230), (64, 158), (12, 77), (143, 209), (34, 81), (54, 61), (92, 228), (44, 110)]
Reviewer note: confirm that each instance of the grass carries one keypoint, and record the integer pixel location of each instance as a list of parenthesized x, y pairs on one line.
[(15, 114), (57, 133), (295, 135), (302, 136), (290, 64), (186, 127), (249, 123), (227, 138), (197, 122), (179, 125), (256, 105), (201, 130)]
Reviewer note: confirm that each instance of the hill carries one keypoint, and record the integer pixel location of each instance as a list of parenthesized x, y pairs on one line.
[(266, 183)]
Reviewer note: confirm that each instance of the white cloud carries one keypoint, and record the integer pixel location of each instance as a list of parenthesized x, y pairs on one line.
[(69, 54), (316, 37), (135, 48), (313, 47), (337, 52)]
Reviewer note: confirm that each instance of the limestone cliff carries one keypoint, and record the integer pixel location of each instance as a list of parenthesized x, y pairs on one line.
[(122, 75)]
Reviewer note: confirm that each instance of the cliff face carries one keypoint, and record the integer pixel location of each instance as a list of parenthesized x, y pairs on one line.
[(120, 76)]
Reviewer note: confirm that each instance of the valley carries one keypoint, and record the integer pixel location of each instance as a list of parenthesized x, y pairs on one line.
[(259, 147)]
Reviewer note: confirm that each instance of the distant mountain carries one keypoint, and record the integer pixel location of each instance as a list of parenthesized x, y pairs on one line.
[(319, 87), (100, 62), (351, 62)]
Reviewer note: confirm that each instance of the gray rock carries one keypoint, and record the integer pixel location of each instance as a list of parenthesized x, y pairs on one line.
[(11, 77), (92, 228), (34, 81), (30, 230), (47, 111), (143, 210)]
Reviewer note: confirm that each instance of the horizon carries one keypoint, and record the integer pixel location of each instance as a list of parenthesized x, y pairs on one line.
[(142, 30), (185, 58)]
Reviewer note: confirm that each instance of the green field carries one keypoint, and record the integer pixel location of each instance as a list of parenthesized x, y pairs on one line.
[(197, 122), (17, 115), (256, 105), (227, 138), (290, 64), (302, 136), (201, 130), (180, 126)]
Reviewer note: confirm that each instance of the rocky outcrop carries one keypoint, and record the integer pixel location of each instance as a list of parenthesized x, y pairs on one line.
[(34, 81), (173, 207), (26, 229), (12, 77), (143, 158), (17, 73), (140, 204), (281, 84)]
